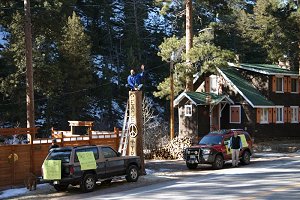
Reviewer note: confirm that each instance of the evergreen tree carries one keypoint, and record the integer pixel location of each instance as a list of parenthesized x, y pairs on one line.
[(271, 30), (75, 62)]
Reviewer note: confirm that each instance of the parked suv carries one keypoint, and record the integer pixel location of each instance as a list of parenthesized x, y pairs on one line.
[(109, 164), (213, 149)]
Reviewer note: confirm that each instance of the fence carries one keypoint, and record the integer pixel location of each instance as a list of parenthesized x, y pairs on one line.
[(17, 160)]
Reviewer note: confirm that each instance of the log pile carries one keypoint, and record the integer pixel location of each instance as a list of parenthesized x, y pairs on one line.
[(173, 150)]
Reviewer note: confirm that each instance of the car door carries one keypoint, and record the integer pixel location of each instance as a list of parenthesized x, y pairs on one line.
[(227, 154), (114, 164)]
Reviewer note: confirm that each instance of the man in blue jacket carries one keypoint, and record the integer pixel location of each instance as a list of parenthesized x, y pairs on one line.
[(235, 144), (134, 80)]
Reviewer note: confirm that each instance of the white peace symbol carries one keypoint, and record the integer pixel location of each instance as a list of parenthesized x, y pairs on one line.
[(133, 131)]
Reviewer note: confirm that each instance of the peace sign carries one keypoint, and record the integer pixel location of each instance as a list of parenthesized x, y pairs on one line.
[(133, 131)]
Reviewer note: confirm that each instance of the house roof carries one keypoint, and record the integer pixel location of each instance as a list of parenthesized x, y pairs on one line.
[(266, 69), (201, 98), (244, 88)]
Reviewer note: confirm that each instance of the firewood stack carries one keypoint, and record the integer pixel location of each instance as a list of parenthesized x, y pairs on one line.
[(173, 150)]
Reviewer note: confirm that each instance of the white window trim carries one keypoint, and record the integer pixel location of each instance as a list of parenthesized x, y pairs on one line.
[(282, 82), (297, 113), (297, 85), (240, 117), (280, 122), (261, 118), (186, 109)]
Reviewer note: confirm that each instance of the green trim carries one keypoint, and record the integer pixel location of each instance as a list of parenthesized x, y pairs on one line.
[(246, 89), (200, 98), (267, 69)]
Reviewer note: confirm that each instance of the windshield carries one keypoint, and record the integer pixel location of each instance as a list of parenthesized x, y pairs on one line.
[(211, 140), (64, 156)]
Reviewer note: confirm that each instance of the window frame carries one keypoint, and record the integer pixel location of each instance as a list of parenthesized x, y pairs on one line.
[(297, 114), (282, 84), (105, 155), (188, 110), (240, 114), (262, 116), (95, 151), (297, 85), (282, 114)]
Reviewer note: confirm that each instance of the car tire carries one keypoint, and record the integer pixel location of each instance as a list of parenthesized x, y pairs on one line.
[(192, 165), (88, 183), (245, 160), (218, 162), (61, 187), (132, 174)]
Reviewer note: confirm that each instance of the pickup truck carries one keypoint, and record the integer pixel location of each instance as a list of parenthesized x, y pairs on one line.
[(109, 164)]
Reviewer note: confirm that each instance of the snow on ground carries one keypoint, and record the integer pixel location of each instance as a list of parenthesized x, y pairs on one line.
[(20, 191)]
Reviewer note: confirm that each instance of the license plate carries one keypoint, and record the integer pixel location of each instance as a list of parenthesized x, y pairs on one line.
[(192, 156), (55, 182)]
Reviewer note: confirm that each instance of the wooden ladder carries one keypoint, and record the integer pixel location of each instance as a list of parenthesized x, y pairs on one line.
[(125, 133)]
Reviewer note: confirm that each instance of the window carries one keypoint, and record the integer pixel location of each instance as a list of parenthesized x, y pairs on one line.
[(264, 116), (279, 114), (188, 110), (214, 85), (294, 85), (92, 149), (279, 84), (294, 114), (108, 152), (235, 114)]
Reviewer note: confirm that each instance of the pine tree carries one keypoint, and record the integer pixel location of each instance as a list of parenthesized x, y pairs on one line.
[(76, 67)]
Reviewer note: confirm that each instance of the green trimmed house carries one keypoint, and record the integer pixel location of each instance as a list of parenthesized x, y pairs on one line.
[(262, 99)]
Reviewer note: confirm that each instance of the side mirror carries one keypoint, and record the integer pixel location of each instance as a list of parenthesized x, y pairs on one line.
[(119, 154)]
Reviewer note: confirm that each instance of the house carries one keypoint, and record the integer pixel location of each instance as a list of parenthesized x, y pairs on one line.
[(262, 99)]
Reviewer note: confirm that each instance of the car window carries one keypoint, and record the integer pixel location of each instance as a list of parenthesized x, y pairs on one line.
[(211, 139), (109, 152), (92, 149), (63, 155)]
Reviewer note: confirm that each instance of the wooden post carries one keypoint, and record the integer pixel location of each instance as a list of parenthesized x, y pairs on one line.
[(136, 126)]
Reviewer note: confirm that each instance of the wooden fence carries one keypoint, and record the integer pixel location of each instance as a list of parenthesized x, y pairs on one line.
[(17, 160)]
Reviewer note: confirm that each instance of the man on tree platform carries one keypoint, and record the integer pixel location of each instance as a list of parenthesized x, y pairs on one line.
[(134, 80)]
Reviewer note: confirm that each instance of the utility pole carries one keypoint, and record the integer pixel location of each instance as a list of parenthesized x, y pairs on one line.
[(172, 97), (29, 70)]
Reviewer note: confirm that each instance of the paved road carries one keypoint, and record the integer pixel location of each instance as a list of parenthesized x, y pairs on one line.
[(275, 177)]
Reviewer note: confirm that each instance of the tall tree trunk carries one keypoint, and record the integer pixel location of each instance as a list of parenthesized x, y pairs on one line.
[(29, 70), (137, 31), (189, 43)]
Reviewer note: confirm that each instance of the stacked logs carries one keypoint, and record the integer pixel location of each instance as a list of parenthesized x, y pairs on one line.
[(173, 150)]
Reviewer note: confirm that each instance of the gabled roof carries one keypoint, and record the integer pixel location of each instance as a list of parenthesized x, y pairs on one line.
[(244, 88), (266, 69), (201, 98)]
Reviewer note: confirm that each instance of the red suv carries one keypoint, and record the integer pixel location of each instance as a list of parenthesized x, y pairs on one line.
[(213, 149)]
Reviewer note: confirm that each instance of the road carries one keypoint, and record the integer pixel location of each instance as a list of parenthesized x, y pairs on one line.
[(272, 177)]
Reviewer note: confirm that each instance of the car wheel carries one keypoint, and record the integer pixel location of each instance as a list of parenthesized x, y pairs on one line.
[(192, 165), (218, 162), (88, 183), (245, 158), (132, 173), (61, 187)]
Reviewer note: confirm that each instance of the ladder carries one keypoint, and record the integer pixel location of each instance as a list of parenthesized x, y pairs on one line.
[(125, 133)]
